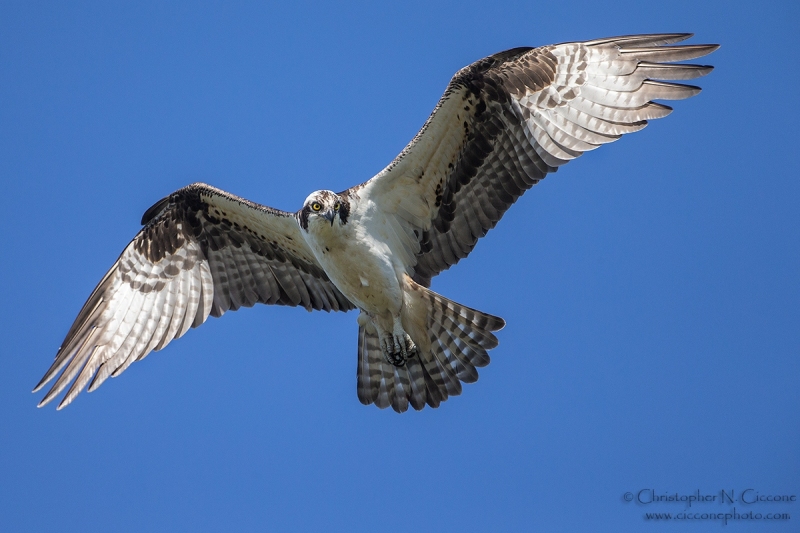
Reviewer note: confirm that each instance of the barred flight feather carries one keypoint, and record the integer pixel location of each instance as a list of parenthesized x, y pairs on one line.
[(503, 124), (519, 115), (201, 252), (459, 338)]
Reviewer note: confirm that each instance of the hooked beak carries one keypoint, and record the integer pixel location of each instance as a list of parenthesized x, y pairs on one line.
[(329, 215)]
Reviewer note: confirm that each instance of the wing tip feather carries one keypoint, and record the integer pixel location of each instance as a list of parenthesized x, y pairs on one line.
[(42, 383), (43, 402), (647, 38)]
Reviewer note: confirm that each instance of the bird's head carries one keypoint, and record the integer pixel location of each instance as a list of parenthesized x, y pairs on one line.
[(323, 207)]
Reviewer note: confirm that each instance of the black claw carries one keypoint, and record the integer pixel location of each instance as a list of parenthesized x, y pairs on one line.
[(396, 359)]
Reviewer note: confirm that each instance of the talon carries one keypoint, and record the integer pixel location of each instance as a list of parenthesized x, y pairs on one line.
[(411, 348), (395, 359), (400, 343), (398, 349), (393, 351)]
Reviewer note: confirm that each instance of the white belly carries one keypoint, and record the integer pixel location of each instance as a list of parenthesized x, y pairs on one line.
[(360, 266)]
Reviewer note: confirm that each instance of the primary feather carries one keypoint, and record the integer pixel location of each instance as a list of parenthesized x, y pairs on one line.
[(502, 125)]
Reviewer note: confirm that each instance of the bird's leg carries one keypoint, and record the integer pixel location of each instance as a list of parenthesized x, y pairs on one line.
[(391, 351), (411, 348), (407, 346), (397, 345)]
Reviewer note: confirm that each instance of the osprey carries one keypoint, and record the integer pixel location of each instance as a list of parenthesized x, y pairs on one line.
[(502, 125)]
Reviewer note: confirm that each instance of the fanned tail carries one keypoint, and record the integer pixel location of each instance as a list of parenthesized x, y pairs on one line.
[(457, 344)]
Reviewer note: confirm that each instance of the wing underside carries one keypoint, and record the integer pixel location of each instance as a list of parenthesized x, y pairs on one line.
[(507, 121), (201, 252)]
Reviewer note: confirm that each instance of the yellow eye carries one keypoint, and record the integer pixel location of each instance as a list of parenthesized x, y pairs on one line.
[(336, 207), (315, 206)]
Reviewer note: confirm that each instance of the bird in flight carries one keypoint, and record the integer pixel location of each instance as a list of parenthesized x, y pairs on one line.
[(503, 124)]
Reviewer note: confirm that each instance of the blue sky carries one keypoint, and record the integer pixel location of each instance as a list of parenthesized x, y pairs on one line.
[(650, 288)]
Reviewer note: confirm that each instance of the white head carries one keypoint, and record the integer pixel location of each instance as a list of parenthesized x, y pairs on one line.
[(323, 207)]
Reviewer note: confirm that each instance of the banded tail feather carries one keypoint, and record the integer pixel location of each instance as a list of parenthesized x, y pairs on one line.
[(503, 124), (459, 339)]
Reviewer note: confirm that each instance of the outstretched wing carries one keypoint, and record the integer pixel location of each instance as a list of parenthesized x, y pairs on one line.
[(508, 120), (202, 251)]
